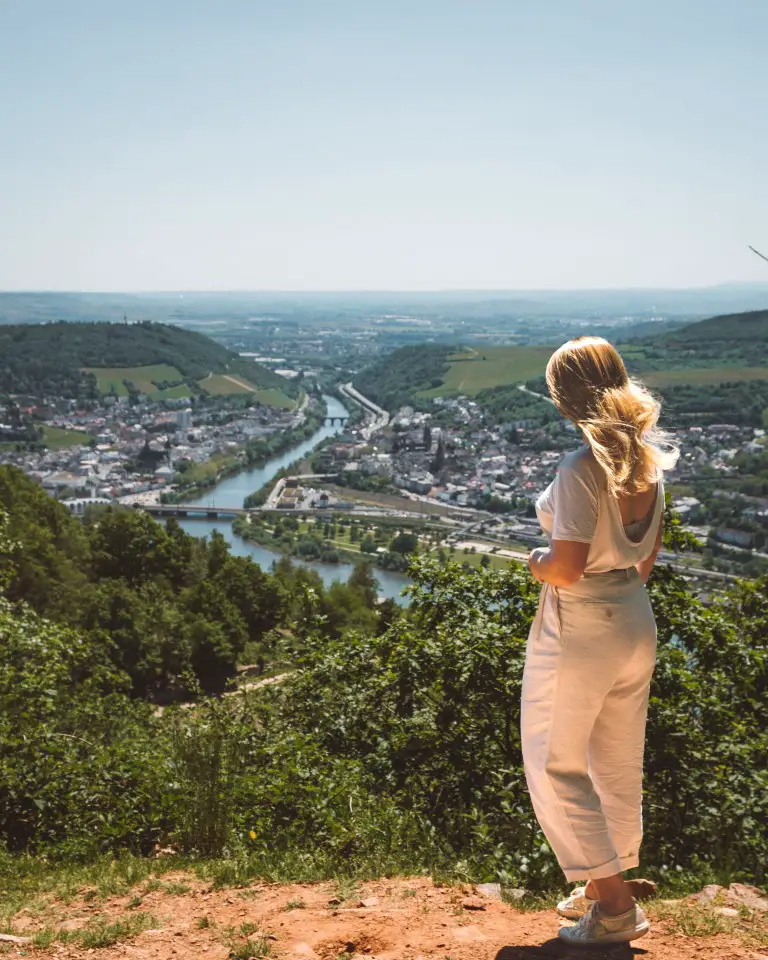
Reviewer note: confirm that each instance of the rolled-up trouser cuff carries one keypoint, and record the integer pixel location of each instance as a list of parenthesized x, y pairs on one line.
[(617, 865), (594, 873)]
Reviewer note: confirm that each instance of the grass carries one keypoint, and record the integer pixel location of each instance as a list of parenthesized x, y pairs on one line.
[(478, 369), (687, 920), (26, 881), (702, 375), (110, 379), (145, 380), (57, 438), (35, 884), (248, 949), (222, 385), (391, 500), (262, 533), (273, 397), (347, 888), (99, 933), (177, 889), (174, 393)]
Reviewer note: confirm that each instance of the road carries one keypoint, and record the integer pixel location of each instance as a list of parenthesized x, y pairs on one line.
[(380, 416), (522, 386)]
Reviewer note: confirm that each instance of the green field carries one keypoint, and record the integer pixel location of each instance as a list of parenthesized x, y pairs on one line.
[(173, 393), (111, 379), (222, 385), (474, 370), (145, 380), (702, 375), (57, 438), (275, 398)]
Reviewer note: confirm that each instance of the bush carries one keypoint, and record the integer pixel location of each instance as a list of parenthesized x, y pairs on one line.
[(396, 745)]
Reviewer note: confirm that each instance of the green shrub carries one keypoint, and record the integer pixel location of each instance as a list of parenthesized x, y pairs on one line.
[(392, 748)]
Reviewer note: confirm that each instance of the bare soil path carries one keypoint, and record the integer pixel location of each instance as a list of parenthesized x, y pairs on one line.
[(391, 919)]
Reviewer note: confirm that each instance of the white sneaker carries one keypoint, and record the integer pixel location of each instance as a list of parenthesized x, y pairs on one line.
[(594, 928), (575, 906)]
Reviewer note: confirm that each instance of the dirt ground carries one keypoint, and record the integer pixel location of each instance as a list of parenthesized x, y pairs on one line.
[(400, 919)]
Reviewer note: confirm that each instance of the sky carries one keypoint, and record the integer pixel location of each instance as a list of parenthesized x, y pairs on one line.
[(382, 144)]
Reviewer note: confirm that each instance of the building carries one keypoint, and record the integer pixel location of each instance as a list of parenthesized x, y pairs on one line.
[(184, 418), (79, 505), (56, 482)]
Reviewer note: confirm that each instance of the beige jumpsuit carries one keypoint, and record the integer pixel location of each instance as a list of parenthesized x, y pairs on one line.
[(589, 660)]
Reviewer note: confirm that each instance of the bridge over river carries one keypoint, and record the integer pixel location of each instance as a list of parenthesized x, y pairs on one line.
[(190, 510)]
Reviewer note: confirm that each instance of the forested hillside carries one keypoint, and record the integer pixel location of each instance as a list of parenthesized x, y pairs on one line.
[(396, 379), (393, 743), (751, 326), (51, 358), (159, 606)]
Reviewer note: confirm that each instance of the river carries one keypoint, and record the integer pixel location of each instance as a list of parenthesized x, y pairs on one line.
[(233, 490)]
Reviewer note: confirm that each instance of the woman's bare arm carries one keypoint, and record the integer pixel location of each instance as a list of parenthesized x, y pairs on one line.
[(560, 564), (645, 566)]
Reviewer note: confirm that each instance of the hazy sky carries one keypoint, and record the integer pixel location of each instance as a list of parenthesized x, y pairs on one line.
[(381, 144)]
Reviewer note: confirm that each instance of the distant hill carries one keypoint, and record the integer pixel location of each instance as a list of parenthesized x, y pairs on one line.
[(752, 325), (92, 359), (415, 374)]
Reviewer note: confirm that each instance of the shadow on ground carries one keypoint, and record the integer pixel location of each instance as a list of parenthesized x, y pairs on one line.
[(557, 950)]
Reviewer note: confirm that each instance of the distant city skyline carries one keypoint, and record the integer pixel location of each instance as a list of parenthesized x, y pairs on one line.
[(407, 146)]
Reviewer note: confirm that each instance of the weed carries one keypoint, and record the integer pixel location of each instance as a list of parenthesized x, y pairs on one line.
[(44, 938), (296, 903), (204, 922), (102, 934), (248, 949), (246, 929), (529, 902), (347, 888), (99, 933), (698, 920), (153, 885), (177, 889), (134, 902)]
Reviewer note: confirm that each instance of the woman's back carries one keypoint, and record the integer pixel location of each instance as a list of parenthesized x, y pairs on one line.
[(578, 506), (635, 507)]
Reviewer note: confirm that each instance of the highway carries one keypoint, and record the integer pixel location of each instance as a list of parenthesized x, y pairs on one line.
[(380, 416)]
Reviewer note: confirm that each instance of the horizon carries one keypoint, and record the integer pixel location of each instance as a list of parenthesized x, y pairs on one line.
[(464, 291)]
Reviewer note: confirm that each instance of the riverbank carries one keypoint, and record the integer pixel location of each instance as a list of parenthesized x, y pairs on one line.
[(205, 477), (388, 543), (232, 490), (330, 540)]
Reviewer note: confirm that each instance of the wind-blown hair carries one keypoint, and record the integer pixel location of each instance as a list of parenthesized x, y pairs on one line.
[(589, 384)]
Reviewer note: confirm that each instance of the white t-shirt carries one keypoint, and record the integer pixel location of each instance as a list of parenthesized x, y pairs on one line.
[(578, 506)]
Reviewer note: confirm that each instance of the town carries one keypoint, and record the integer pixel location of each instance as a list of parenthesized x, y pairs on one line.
[(454, 465)]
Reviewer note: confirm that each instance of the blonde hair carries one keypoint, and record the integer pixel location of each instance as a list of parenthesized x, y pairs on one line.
[(589, 384)]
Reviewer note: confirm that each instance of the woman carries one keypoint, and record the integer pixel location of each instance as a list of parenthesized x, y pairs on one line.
[(592, 647)]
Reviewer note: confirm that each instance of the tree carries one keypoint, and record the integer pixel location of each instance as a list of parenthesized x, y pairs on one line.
[(364, 583), (368, 544), (404, 542)]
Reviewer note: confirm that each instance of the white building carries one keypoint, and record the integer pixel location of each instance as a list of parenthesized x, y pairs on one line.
[(79, 505), (184, 418)]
